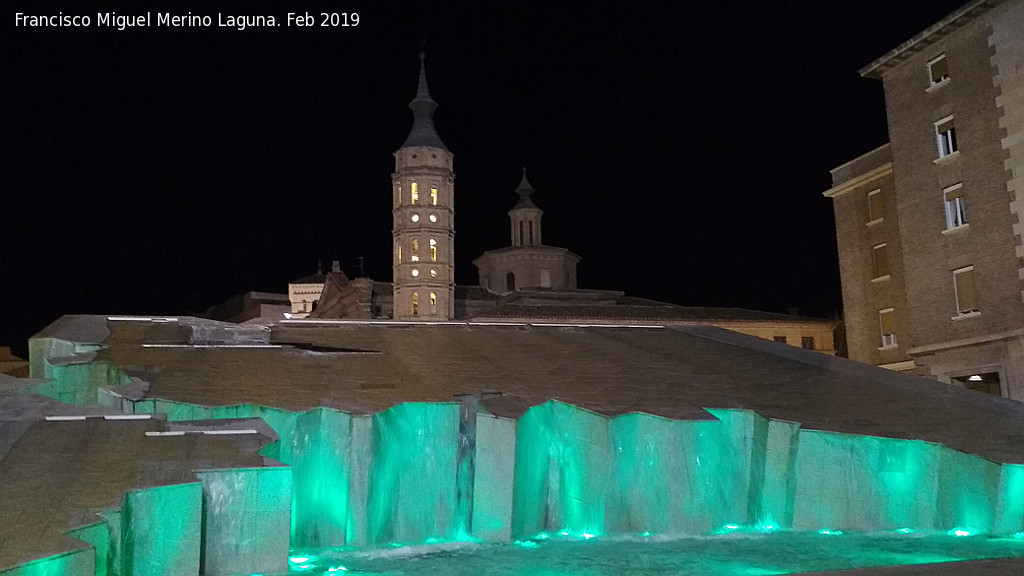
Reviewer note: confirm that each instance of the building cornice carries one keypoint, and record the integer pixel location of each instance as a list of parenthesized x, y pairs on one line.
[(853, 183), (926, 38), (939, 346)]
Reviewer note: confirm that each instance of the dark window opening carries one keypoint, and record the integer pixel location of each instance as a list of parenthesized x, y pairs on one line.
[(510, 282), (987, 382)]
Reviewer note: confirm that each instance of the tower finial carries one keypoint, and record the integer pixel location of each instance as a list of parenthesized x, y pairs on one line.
[(524, 190), (423, 106)]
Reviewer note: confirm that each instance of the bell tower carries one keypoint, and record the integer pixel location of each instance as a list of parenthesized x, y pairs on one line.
[(423, 228)]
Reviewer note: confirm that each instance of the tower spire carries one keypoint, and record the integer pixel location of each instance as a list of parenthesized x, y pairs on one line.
[(423, 132), (524, 190)]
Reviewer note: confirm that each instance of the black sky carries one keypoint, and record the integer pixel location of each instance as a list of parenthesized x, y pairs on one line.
[(680, 148)]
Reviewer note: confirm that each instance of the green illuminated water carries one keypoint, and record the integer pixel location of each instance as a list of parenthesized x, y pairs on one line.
[(728, 555), (444, 473)]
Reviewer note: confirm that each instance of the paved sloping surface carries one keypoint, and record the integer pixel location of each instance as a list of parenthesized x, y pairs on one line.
[(59, 473), (365, 367)]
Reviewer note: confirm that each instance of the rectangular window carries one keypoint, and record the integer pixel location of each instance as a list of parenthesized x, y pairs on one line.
[(433, 250), (433, 302), (956, 214), (937, 70), (880, 260), (807, 342), (415, 303), (945, 136), (887, 323), (415, 193), (415, 250), (876, 209), (966, 297), (433, 196), (779, 339)]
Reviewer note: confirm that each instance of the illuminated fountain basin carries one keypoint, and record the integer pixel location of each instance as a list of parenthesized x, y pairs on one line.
[(421, 474), (398, 489), (735, 554)]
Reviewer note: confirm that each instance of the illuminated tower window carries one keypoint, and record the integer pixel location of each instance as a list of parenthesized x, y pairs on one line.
[(415, 193), (433, 272), (433, 196), (415, 303), (433, 303), (433, 250), (399, 246), (415, 249), (433, 217), (415, 272), (415, 217)]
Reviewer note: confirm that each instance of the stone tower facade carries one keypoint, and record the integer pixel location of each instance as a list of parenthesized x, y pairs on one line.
[(423, 218)]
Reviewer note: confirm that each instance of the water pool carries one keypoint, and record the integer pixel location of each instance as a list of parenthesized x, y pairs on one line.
[(725, 555)]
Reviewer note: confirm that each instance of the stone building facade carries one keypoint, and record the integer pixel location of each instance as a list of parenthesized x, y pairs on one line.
[(949, 187)]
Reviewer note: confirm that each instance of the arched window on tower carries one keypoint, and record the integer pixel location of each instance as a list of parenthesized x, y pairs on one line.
[(415, 193), (415, 303), (433, 196), (433, 302), (415, 249), (433, 250), (510, 282)]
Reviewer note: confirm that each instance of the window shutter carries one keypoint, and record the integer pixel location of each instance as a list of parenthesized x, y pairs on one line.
[(939, 70), (966, 297), (881, 261), (888, 321), (875, 206)]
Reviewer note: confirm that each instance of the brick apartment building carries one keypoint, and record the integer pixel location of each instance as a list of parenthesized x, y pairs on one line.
[(928, 225)]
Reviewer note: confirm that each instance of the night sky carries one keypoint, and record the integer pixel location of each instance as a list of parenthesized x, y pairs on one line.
[(680, 148)]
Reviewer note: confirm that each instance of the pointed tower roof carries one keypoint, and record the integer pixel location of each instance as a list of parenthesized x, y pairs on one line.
[(423, 106), (524, 190)]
